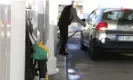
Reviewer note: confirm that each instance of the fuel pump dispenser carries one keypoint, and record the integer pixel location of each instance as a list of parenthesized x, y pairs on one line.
[(47, 30), (44, 31)]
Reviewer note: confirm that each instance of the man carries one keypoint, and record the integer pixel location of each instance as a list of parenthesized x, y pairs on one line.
[(68, 14)]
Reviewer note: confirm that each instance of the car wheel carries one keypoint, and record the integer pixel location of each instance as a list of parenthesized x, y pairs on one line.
[(82, 46), (94, 53)]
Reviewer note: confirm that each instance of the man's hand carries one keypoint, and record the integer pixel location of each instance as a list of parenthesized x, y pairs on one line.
[(86, 27), (83, 20)]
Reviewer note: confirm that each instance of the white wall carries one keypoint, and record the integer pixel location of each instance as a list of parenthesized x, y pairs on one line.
[(65, 2), (17, 54), (90, 5), (5, 1)]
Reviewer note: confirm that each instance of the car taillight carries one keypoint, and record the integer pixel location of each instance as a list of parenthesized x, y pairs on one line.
[(101, 26), (125, 9)]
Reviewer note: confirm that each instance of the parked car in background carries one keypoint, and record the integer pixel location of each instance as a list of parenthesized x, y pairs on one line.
[(108, 30)]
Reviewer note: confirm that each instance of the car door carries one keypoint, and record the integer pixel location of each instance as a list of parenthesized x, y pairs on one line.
[(91, 25), (87, 30), (94, 20)]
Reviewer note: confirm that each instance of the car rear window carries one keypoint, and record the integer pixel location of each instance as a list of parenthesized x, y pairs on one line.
[(118, 15)]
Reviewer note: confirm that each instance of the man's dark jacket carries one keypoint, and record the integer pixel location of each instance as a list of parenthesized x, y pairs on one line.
[(68, 14)]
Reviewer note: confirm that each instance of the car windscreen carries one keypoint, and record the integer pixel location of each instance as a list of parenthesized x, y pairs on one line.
[(118, 15)]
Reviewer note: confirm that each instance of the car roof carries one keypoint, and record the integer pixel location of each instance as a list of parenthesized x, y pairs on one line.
[(113, 8)]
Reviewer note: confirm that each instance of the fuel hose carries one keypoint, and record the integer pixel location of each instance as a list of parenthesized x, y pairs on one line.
[(68, 36)]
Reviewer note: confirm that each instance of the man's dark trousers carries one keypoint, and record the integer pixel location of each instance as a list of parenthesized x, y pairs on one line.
[(64, 37)]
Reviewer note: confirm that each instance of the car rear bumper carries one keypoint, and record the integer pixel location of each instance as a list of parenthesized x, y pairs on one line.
[(118, 50), (115, 46)]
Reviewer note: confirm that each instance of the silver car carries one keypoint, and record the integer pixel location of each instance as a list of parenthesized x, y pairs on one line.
[(108, 30)]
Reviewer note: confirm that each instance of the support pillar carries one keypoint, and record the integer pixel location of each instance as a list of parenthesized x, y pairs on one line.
[(40, 19), (50, 20), (17, 53)]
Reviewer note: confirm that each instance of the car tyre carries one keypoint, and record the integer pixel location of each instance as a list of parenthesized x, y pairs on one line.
[(94, 52)]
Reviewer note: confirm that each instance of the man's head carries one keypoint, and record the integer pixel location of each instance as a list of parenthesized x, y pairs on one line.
[(75, 4)]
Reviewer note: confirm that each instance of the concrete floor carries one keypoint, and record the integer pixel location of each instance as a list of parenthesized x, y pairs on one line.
[(77, 66)]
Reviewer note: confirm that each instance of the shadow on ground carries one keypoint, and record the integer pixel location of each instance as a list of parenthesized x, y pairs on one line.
[(111, 66), (107, 56)]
